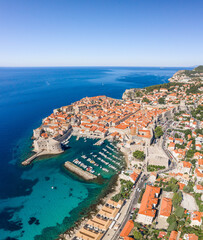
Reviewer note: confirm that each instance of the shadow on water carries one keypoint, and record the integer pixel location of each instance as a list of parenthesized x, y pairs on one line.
[(5, 219)]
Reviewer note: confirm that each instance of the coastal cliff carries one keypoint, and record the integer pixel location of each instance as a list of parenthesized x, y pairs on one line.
[(131, 94), (188, 76)]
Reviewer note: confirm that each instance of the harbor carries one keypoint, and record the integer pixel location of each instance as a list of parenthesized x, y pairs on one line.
[(93, 164), (100, 161)]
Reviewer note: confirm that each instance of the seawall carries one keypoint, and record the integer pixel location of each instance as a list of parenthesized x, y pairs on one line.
[(77, 170)]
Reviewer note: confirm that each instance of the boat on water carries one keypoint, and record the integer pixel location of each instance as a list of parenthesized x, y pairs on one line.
[(109, 147), (65, 142), (106, 163), (112, 167), (92, 162), (84, 166)]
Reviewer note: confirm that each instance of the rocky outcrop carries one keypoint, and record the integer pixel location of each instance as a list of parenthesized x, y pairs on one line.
[(131, 94), (180, 76), (188, 76)]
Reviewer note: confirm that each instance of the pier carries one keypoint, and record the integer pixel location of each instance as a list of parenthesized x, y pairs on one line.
[(100, 142), (30, 159), (77, 170)]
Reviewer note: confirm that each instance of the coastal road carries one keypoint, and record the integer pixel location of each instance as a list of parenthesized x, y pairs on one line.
[(133, 201)]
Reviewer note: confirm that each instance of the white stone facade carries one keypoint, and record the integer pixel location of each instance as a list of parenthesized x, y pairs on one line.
[(48, 145)]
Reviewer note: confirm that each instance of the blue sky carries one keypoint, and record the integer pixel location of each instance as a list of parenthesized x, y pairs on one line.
[(101, 32)]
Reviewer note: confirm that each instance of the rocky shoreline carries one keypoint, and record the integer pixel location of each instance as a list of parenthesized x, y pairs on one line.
[(92, 210)]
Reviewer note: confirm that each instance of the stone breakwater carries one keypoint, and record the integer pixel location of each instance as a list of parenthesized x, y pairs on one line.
[(38, 154), (29, 160), (75, 169)]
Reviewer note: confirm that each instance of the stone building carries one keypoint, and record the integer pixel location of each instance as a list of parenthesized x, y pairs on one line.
[(48, 145)]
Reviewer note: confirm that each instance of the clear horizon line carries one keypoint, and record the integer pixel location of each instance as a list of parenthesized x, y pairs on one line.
[(191, 66)]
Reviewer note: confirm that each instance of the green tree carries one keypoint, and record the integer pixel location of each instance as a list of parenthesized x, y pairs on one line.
[(190, 153), (175, 188), (145, 100), (199, 131), (171, 219), (158, 132), (187, 132), (194, 162), (117, 197), (129, 185), (188, 188), (198, 113), (173, 181), (172, 227), (161, 101), (138, 94), (139, 155), (168, 189), (177, 199), (137, 235), (177, 135), (180, 146), (179, 212)]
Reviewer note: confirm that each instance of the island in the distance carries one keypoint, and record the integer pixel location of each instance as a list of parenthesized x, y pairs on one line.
[(159, 129)]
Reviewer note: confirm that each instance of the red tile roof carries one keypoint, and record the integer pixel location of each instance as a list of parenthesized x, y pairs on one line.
[(173, 235), (148, 200), (166, 207), (181, 185), (127, 229)]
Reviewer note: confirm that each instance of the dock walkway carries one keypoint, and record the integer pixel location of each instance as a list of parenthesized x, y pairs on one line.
[(100, 142), (30, 159), (80, 172)]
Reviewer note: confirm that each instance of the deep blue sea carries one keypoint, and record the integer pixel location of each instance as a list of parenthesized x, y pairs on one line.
[(26, 96)]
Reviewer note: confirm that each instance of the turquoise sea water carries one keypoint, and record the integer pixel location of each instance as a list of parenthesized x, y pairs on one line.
[(53, 207), (26, 96)]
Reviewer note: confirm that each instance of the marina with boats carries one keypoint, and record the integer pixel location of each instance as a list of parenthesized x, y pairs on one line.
[(99, 162), (102, 160)]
